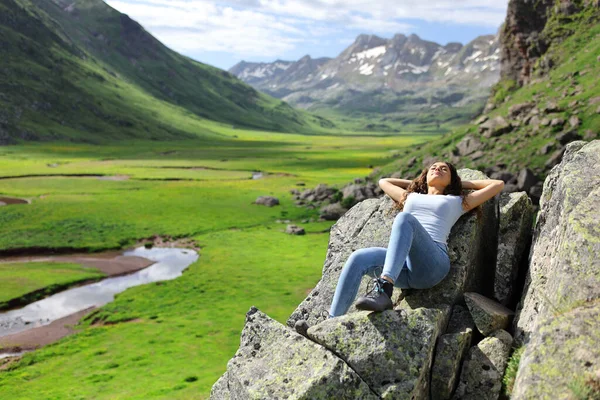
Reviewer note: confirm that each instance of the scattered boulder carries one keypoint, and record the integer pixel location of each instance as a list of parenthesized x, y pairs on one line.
[(275, 362), (451, 348), (526, 179), (545, 149), (294, 230), (557, 122), (518, 110), (268, 201), (567, 137), (469, 144), (551, 107), (495, 127), (555, 158), (392, 350), (332, 212), (565, 253), (487, 314), (514, 232), (482, 371)]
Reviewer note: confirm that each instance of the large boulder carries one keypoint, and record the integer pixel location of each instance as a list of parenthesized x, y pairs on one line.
[(565, 256), (391, 351), (471, 247), (562, 355), (275, 362), (514, 234)]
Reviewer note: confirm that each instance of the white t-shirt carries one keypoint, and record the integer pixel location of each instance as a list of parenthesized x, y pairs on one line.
[(437, 213)]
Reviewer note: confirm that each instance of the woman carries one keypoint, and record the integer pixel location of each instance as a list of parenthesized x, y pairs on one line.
[(418, 254)]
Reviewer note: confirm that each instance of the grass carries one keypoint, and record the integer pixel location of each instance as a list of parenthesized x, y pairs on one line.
[(510, 373), (173, 339), (20, 279)]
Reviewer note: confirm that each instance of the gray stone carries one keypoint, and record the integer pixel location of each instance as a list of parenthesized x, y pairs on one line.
[(564, 264), (392, 350), (471, 246), (450, 350), (488, 314), (567, 137), (545, 149), (551, 107), (275, 362), (481, 119), (557, 122), (574, 122), (477, 155), (555, 158), (495, 127), (357, 192), (268, 201), (294, 230), (526, 179), (516, 221), (517, 110), (332, 212), (563, 353), (469, 144), (483, 368)]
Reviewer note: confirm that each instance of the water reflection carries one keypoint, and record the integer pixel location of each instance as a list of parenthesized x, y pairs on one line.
[(170, 262)]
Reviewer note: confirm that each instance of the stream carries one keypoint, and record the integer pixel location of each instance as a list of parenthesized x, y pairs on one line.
[(169, 264)]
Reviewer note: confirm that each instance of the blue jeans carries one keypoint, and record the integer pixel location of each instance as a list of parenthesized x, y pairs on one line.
[(414, 260)]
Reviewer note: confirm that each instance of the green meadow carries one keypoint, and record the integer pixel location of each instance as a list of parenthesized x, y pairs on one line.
[(172, 339)]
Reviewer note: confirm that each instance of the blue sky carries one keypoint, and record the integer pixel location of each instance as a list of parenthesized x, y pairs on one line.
[(222, 33)]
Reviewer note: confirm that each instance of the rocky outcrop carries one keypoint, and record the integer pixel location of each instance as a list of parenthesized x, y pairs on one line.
[(564, 265), (426, 348), (471, 247), (558, 315)]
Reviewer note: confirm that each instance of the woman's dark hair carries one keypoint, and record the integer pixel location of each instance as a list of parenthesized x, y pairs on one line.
[(419, 185)]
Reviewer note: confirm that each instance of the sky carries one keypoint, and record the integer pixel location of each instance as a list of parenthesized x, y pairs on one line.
[(223, 33)]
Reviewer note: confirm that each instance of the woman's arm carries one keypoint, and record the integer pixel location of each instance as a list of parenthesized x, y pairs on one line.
[(394, 187), (485, 189)]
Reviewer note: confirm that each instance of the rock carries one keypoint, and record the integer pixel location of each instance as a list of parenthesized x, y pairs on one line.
[(565, 253), (275, 362), (471, 247), (332, 212), (557, 122), (598, 110), (495, 127), (562, 354), (294, 230), (502, 175), (526, 179), (392, 350), (551, 107), (545, 121), (516, 220), (357, 192), (568, 137), (555, 158), (469, 144), (574, 121), (451, 349), (477, 155), (510, 187), (589, 135), (482, 371), (481, 119), (536, 192), (594, 100), (545, 149), (411, 162), (268, 201), (487, 314), (518, 110), (533, 121)]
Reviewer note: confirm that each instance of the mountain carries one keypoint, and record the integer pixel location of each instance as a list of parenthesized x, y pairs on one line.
[(389, 76), (86, 72)]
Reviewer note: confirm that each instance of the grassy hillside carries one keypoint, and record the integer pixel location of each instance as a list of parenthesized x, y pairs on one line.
[(86, 72), (571, 84)]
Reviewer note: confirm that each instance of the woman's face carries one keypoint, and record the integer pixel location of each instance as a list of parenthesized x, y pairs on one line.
[(439, 174)]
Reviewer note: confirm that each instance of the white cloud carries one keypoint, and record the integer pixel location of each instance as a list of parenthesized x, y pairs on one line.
[(253, 28)]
